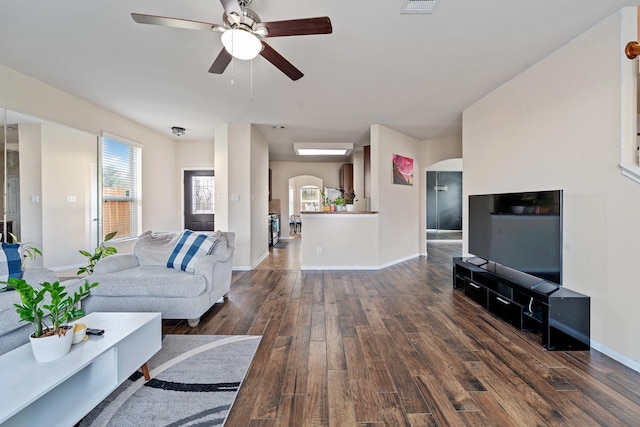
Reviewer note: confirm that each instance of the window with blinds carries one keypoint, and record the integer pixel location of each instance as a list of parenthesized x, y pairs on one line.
[(121, 168)]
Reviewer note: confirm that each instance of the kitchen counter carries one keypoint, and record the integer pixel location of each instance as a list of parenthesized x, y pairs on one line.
[(340, 213)]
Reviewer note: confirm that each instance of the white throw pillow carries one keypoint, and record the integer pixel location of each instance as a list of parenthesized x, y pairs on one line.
[(190, 248)]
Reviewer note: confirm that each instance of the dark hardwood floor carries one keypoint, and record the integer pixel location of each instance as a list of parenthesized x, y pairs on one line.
[(399, 347)]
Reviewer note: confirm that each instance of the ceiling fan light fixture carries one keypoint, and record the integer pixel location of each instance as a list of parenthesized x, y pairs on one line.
[(241, 44), (323, 148)]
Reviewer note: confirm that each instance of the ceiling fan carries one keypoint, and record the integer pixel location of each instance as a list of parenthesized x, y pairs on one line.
[(242, 34)]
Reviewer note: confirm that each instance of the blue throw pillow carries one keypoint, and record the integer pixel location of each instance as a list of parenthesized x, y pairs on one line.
[(10, 262), (189, 249)]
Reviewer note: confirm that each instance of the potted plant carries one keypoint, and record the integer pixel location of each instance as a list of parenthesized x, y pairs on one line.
[(326, 204), (340, 203), (100, 252), (49, 341), (28, 251), (350, 197)]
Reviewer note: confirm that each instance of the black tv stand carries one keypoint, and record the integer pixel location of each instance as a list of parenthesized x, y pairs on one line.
[(527, 302)]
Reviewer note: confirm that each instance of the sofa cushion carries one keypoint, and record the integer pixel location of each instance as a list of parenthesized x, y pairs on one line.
[(189, 249), (151, 281), (154, 248), (10, 262), (9, 319), (221, 244)]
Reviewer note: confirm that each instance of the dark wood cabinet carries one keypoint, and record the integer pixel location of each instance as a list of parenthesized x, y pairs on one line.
[(345, 178), (560, 315), (367, 171)]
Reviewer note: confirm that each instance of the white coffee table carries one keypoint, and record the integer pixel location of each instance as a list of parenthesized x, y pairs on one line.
[(63, 391)]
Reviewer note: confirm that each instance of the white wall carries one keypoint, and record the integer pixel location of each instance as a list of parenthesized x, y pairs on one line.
[(242, 199), (398, 205), (30, 137), (67, 156), (259, 175), (558, 126), (27, 95)]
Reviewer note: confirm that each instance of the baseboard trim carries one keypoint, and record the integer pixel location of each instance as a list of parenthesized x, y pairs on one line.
[(629, 363), (339, 267), (359, 267)]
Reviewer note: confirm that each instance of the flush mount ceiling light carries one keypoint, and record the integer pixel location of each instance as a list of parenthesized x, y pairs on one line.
[(323, 148), (178, 131), (419, 6), (241, 44)]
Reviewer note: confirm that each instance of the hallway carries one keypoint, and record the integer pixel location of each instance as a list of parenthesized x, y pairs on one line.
[(287, 258)]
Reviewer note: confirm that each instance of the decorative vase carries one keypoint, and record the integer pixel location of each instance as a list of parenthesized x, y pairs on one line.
[(350, 207), (326, 208), (46, 349)]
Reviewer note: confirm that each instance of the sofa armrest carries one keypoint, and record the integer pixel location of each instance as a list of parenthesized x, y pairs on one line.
[(39, 275), (117, 262), (207, 263), (209, 266)]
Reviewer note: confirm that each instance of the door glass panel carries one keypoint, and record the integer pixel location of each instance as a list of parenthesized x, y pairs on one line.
[(202, 195)]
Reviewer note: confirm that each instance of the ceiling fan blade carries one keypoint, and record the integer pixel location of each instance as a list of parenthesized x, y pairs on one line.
[(176, 22), (298, 27), (220, 64), (278, 60), (231, 6)]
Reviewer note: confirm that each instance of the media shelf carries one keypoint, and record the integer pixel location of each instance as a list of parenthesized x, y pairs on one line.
[(526, 302)]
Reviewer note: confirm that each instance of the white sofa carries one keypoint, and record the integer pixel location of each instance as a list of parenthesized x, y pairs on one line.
[(141, 281)]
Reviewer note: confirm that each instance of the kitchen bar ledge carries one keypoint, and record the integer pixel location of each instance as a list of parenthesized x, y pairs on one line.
[(340, 213)]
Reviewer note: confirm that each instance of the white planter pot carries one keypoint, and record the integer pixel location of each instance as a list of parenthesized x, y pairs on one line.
[(46, 349), (350, 208)]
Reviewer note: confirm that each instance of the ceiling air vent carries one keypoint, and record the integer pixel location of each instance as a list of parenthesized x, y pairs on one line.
[(419, 6)]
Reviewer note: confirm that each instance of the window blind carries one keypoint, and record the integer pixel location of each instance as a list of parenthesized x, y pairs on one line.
[(121, 172)]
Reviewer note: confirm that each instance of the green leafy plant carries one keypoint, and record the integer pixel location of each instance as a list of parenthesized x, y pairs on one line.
[(340, 201), (325, 199), (100, 252), (28, 251), (61, 309), (348, 196)]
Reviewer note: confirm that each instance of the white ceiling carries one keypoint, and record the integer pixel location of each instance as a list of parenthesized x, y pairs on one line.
[(413, 73)]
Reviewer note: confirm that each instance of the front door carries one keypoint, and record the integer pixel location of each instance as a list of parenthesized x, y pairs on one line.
[(199, 200)]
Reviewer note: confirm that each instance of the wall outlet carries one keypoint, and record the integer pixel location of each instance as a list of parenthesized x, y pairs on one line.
[(71, 199), (319, 250)]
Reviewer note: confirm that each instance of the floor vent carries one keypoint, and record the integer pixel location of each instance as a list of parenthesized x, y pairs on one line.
[(419, 6)]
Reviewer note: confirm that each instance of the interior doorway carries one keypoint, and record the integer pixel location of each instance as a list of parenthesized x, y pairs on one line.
[(199, 197), (444, 205)]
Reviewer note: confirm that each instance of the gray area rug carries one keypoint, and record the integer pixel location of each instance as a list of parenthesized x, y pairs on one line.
[(194, 382)]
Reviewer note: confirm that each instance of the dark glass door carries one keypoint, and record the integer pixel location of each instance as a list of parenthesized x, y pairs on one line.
[(199, 199), (444, 205)]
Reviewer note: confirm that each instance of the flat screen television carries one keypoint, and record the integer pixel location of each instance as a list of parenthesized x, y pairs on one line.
[(522, 231)]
